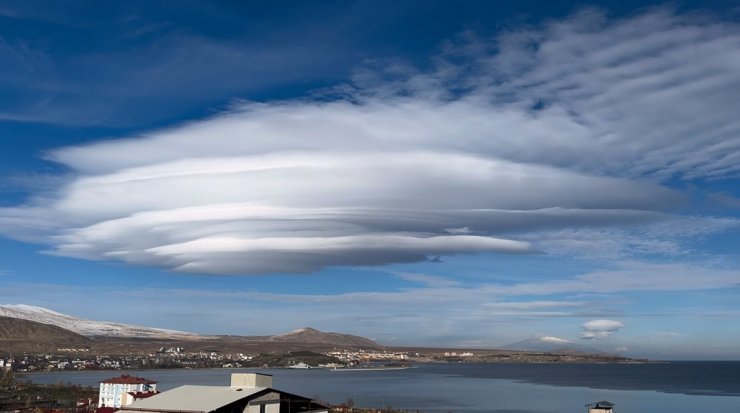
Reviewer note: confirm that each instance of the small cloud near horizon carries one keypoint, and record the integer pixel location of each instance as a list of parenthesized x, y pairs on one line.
[(600, 329)]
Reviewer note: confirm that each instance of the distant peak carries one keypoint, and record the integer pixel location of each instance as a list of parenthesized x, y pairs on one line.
[(301, 331), (312, 335), (305, 329), (556, 340)]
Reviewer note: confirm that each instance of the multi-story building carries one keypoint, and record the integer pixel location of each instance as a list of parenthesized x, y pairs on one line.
[(123, 390)]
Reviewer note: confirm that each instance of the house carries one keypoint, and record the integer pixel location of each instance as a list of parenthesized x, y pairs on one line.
[(117, 392), (600, 407), (248, 393)]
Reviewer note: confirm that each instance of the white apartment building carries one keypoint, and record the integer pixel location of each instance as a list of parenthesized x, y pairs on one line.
[(123, 390)]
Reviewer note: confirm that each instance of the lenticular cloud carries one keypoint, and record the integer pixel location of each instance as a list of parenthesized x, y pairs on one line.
[(301, 211), (400, 171), (600, 329)]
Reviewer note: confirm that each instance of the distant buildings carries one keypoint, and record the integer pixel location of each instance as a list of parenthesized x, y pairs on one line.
[(248, 393), (349, 355), (124, 390), (6, 365), (456, 354)]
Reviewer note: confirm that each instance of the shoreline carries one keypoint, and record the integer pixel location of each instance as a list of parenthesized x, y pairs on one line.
[(605, 377)]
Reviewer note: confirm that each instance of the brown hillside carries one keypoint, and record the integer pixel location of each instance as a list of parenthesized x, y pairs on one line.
[(309, 335), (17, 334)]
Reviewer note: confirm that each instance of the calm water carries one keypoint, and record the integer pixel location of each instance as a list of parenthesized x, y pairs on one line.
[(680, 387)]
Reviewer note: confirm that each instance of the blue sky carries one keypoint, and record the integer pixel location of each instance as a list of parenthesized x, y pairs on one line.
[(433, 173)]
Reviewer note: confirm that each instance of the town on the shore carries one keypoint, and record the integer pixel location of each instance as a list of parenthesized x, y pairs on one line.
[(178, 357)]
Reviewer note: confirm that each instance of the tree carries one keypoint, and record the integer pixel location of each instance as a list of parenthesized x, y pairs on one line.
[(8, 379)]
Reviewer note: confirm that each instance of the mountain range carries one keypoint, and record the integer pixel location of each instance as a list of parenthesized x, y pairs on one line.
[(88, 328), (20, 322)]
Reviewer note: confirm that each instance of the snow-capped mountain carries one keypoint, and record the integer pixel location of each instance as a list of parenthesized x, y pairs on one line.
[(89, 328), (550, 344)]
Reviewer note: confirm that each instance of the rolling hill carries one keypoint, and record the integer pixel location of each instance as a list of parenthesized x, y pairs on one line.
[(309, 335), (21, 335)]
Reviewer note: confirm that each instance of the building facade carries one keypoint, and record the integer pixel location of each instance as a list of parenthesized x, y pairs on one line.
[(123, 390)]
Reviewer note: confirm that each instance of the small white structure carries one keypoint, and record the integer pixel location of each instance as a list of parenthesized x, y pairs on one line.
[(248, 393), (600, 407), (123, 390)]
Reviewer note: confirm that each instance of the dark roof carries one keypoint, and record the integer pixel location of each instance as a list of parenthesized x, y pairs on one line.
[(142, 394), (600, 405), (126, 379), (192, 399)]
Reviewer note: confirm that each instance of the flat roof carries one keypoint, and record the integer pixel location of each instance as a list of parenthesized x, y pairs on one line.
[(191, 398)]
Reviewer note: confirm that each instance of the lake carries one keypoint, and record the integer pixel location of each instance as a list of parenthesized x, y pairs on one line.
[(677, 387)]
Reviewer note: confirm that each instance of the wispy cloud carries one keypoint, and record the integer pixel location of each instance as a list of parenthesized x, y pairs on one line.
[(632, 276), (533, 141), (426, 279), (543, 309), (168, 74), (662, 335), (7, 12), (534, 305), (673, 237)]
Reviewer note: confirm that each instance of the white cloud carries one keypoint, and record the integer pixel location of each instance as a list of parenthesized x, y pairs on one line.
[(602, 325), (556, 130), (600, 329), (598, 335), (168, 200)]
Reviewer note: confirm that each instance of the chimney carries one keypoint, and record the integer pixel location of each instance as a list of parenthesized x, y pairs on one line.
[(251, 380)]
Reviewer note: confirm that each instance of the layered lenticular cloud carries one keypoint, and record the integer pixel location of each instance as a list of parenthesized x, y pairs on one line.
[(600, 329), (573, 125)]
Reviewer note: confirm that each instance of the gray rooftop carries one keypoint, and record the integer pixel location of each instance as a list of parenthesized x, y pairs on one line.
[(193, 398)]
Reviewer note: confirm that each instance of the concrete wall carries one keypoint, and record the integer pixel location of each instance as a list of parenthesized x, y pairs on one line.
[(271, 401), (251, 380)]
